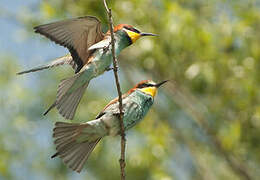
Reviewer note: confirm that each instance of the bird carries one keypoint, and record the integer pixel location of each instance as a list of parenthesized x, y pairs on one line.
[(90, 55), (75, 141)]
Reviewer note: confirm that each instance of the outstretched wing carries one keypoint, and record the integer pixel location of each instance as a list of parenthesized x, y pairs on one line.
[(77, 34)]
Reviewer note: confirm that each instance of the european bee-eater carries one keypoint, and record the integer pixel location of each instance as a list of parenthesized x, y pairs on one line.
[(90, 55), (75, 141)]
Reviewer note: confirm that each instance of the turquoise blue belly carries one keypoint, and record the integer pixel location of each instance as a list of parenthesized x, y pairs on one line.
[(137, 109)]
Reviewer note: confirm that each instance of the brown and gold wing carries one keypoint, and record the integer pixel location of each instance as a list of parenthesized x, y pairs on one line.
[(76, 34), (111, 103)]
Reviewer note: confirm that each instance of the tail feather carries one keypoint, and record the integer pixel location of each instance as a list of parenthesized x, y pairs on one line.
[(50, 108), (73, 153), (62, 133), (64, 86), (66, 147), (55, 155), (67, 103), (62, 141), (67, 59), (80, 160), (65, 110)]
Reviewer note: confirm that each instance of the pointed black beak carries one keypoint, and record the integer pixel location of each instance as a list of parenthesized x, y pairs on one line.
[(147, 34), (161, 83)]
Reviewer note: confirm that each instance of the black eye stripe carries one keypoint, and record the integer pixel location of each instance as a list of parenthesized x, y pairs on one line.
[(127, 28), (135, 30), (132, 29), (145, 85)]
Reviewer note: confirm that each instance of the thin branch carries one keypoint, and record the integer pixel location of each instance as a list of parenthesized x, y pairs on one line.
[(123, 140)]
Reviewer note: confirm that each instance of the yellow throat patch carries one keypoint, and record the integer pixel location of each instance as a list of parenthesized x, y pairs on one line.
[(149, 90), (133, 35)]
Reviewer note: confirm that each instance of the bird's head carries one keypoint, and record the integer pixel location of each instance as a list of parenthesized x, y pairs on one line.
[(148, 87), (132, 33)]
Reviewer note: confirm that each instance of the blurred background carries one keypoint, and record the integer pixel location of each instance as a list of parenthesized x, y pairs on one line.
[(205, 123)]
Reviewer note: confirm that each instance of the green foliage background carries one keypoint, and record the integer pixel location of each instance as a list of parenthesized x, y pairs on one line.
[(205, 123)]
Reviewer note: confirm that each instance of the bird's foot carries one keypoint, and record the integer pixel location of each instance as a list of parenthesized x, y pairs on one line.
[(118, 114), (106, 48)]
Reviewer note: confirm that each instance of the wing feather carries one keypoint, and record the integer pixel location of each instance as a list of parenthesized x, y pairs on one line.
[(76, 34), (110, 104)]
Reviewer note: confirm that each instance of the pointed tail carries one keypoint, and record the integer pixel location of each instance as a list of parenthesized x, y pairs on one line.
[(67, 103), (67, 59), (73, 143)]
